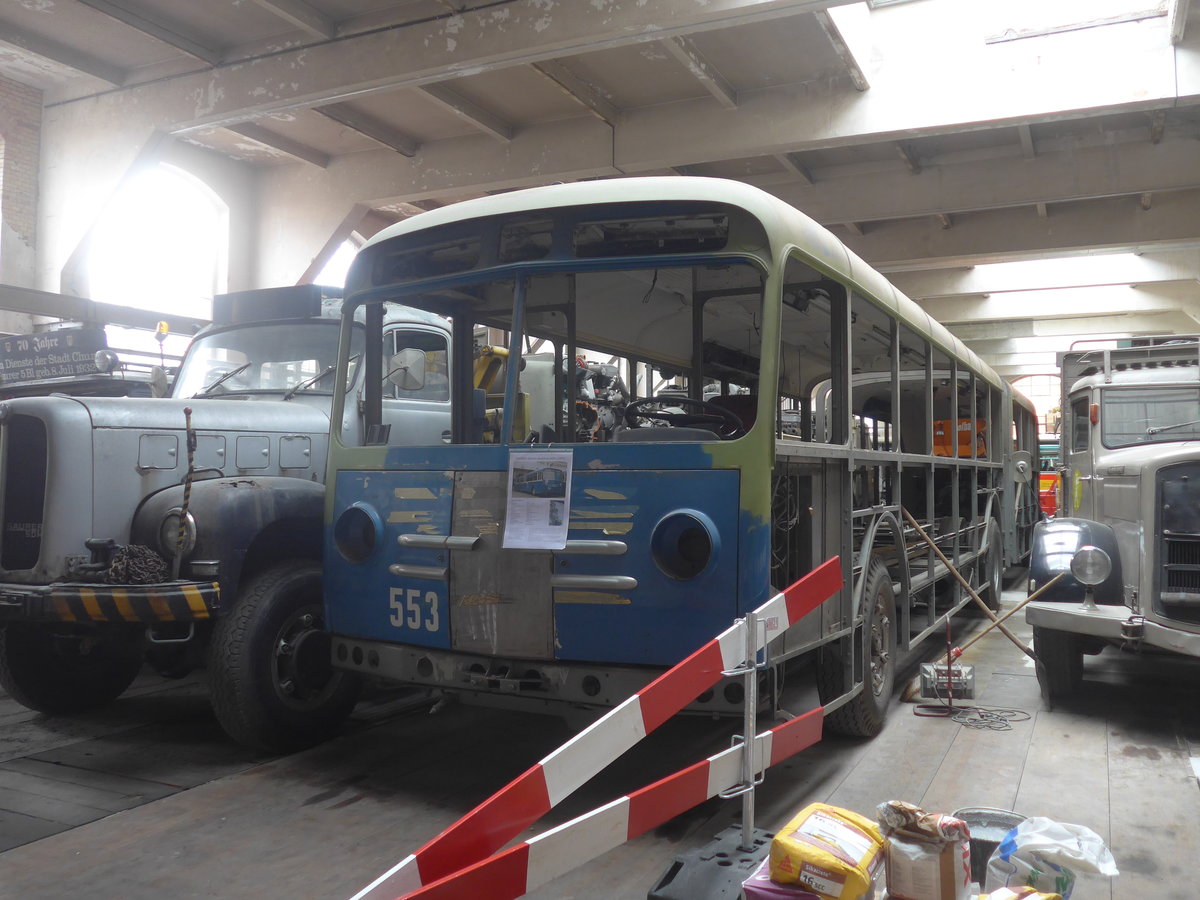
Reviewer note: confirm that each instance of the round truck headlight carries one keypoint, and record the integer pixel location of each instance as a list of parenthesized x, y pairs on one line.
[(1090, 565), (357, 532), (168, 532), (683, 544)]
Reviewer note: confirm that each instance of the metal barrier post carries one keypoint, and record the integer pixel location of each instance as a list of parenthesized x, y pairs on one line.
[(749, 670), (749, 727)]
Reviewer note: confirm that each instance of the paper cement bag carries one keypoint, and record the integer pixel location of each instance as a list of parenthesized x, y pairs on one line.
[(832, 852)]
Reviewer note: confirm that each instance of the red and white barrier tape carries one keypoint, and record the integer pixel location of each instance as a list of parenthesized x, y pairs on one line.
[(535, 862), (531, 795)]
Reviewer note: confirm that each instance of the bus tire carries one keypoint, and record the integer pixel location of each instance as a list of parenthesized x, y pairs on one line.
[(1060, 661), (272, 685), (864, 715), (993, 567), (58, 672)]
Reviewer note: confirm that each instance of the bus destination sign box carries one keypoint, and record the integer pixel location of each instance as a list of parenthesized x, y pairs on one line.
[(55, 354)]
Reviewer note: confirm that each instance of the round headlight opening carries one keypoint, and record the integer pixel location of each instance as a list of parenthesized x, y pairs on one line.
[(356, 533), (682, 545), (168, 532), (1090, 565)]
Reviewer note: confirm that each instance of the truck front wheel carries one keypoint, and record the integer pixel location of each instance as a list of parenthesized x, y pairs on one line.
[(54, 671), (271, 681), (1060, 661)]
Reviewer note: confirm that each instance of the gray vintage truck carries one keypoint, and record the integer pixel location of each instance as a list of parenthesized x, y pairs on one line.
[(97, 574), (1128, 537)]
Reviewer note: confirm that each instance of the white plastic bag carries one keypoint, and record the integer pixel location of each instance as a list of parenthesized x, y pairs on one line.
[(1044, 854)]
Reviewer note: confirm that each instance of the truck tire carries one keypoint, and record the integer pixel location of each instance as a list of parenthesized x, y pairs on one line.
[(1060, 661), (864, 715), (59, 672), (271, 682)]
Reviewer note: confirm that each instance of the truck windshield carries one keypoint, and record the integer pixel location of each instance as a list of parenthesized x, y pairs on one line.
[(267, 357), (1149, 415)]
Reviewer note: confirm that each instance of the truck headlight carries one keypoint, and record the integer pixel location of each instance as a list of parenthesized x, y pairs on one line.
[(168, 532), (1090, 565)]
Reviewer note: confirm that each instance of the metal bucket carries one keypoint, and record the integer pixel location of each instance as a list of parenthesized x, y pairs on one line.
[(988, 828)]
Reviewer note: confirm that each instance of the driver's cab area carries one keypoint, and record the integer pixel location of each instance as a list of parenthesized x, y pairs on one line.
[(632, 354)]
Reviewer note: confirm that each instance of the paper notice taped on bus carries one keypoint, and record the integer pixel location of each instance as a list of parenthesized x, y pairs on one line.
[(539, 499)]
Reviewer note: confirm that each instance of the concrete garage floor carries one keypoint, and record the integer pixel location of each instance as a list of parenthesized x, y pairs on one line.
[(148, 800)]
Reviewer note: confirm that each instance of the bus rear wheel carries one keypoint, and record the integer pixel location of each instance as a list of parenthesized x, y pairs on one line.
[(272, 685), (993, 568), (62, 672), (863, 716)]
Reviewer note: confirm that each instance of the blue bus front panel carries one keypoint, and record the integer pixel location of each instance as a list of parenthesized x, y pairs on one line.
[(678, 530)]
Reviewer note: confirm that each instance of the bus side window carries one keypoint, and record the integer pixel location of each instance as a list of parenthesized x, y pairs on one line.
[(916, 425), (871, 331), (812, 364)]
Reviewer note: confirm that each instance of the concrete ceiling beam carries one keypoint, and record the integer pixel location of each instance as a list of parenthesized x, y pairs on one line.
[(579, 90), (474, 41), (1019, 233), (368, 126), (1093, 270), (158, 29), (684, 50), (829, 25), (62, 54), (283, 144), (469, 112), (303, 16), (1063, 304), (80, 309), (1001, 332), (1125, 169)]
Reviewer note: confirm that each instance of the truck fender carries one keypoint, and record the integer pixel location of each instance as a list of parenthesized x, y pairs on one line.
[(1055, 542), (244, 523)]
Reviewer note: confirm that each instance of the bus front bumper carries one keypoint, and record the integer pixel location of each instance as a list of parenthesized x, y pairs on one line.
[(1114, 623), (532, 685)]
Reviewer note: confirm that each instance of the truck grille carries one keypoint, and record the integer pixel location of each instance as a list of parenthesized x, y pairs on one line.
[(24, 492), (1177, 594)]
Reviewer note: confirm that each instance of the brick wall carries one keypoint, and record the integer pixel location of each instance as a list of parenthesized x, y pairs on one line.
[(21, 129)]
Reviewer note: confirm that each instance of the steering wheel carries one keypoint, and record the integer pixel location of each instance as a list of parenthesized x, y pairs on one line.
[(729, 426)]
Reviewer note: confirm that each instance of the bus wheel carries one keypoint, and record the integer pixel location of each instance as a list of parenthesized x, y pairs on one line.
[(863, 716), (1060, 661), (993, 571), (60, 672), (272, 684)]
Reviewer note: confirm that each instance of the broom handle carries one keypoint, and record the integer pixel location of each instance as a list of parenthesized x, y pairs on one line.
[(971, 591), (1045, 587)]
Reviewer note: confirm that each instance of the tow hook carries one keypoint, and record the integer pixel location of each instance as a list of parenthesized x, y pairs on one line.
[(1133, 628)]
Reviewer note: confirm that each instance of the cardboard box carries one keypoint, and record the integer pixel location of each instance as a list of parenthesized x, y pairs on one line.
[(920, 868)]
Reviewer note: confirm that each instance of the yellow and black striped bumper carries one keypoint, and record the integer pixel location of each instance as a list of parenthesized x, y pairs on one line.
[(188, 601)]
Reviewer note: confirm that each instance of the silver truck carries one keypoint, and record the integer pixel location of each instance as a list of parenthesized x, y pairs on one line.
[(1127, 541), (186, 530)]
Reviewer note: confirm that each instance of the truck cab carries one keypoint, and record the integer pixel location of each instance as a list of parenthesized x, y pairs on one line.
[(186, 530), (1127, 539)]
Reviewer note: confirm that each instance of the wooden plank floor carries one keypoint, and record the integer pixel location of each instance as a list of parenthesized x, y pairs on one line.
[(146, 800)]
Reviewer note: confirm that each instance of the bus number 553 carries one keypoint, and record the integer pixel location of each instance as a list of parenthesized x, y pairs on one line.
[(411, 610)]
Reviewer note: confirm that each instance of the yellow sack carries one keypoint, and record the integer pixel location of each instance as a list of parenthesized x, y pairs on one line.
[(832, 852)]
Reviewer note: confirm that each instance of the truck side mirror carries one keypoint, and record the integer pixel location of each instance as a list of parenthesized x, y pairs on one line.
[(406, 369), (1022, 466), (160, 385)]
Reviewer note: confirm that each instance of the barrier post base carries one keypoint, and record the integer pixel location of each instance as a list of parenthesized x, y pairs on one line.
[(715, 871)]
